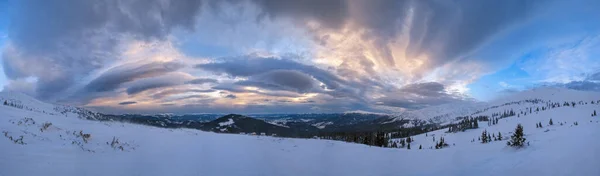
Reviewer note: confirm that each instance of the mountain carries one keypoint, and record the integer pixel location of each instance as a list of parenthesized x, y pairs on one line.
[(234, 123), (44, 139)]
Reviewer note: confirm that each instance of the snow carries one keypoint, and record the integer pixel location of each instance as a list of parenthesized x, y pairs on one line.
[(59, 150), (322, 125), (228, 123), (278, 123), (364, 112)]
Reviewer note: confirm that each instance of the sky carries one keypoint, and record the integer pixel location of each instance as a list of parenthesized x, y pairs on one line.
[(287, 56)]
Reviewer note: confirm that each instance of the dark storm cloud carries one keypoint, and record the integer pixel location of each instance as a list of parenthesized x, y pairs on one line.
[(202, 81), (70, 39), (127, 103), (419, 95), (113, 78)]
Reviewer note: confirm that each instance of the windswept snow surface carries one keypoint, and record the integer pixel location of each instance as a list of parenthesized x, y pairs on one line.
[(142, 150)]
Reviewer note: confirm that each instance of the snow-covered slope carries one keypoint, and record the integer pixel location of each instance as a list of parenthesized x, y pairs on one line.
[(439, 114), (74, 146)]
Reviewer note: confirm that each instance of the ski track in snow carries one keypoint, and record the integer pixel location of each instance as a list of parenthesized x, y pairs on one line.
[(57, 150)]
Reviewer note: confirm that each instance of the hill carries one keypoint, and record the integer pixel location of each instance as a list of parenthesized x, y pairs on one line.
[(45, 139)]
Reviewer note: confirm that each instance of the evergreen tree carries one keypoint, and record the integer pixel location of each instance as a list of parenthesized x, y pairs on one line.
[(541, 125), (517, 139), (499, 136), (551, 122), (489, 138), (5, 103), (420, 147), (484, 136), (476, 125)]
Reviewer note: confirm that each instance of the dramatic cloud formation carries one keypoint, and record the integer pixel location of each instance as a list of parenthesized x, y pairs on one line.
[(294, 56), (113, 78)]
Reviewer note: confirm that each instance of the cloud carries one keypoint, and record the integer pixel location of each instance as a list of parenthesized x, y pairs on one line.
[(113, 78), (169, 92), (127, 103), (231, 96), (594, 77), (283, 80), (250, 65), (345, 54), (331, 13), (167, 80), (175, 99), (590, 83), (64, 41), (444, 30), (419, 95), (583, 85), (237, 88), (202, 81), (253, 66)]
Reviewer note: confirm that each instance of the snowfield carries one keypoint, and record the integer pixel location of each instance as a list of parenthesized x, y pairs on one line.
[(228, 123), (73, 146)]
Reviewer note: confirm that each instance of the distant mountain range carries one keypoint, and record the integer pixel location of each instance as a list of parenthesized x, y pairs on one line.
[(288, 125), (310, 124)]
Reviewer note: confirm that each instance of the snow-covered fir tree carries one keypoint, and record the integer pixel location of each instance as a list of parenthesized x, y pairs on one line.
[(517, 139)]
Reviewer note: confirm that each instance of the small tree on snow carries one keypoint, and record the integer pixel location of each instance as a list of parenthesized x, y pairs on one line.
[(420, 147), (517, 139), (551, 122), (499, 136), (484, 137)]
